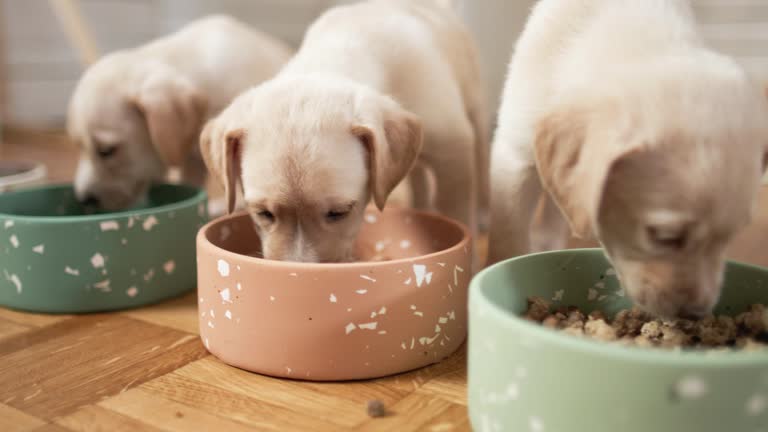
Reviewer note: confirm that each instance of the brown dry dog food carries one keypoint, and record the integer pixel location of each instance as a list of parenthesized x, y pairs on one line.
[(376, 408), (748, 330)]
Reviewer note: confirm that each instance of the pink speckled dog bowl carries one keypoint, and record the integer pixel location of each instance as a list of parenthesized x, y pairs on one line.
[(331, 322)]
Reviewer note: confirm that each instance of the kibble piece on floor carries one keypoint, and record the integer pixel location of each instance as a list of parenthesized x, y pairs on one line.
[(376, 408)]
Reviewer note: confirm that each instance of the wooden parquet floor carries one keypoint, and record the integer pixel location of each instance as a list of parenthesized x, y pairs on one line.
[(146, 369)]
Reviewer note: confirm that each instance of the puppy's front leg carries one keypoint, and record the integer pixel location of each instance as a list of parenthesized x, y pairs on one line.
[(515, 190)]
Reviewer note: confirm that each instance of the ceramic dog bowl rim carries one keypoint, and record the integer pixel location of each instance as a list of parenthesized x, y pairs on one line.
[(221, 252), (37, 172), (658, 356), (199, 196)]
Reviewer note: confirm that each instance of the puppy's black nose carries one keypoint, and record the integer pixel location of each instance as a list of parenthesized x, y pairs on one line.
[(90, 200)]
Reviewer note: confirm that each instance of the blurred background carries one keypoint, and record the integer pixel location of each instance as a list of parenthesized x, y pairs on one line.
[(40, 60)]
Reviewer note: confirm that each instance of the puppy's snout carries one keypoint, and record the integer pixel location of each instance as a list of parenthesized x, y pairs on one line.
[(90, 200), (671, 291)]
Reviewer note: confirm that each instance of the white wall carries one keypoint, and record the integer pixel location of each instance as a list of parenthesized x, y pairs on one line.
[(42, 69)]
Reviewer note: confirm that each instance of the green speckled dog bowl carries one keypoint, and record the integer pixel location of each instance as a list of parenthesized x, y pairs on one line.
[(524, 377), (55, 258)]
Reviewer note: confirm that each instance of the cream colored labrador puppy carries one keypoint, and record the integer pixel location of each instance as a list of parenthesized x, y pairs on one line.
[(138, 112), (641, 135), (375, 88)]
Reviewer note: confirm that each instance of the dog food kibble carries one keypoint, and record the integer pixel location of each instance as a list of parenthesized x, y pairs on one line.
[(376, 408), (748, 330)]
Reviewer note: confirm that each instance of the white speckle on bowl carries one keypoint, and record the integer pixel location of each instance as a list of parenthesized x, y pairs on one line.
[(413, 307), (70, 271), (371, 218), (558, 295), (124, 241), (109, 225), (97, 260), (201, 209), (452, 315), (382, 332), (362, 291), (380, 245), (437, 328), (441, 264), (600, 285), (442, 320), (14, 279), (413, 342), (349, 309), (373, 314), (103, 285), (610, 272), (207, 344), (756, 405), (592, 294), (271, 298), (513, 391), (130, 222), (456, 275), (133, 272), (403, 346), (691, 387), (450, 289), (521, 372), (239, 286), (39, 249), (408, 281), (332, 298), (350, 328), (368, 278), (14, 241), (8, 224), (368, 326), (602, 298), (288, 370), (420, 271), (226, 295), (210, 324), (405, 244), (293, 274), (238, 268), (149, 223), (223, 267), (149, 275), (228, 314), (169, 266), (201, 300), (225, 233), (213, 315), (429, 278), (383, 310), (419, 313), (132, 291), (536, 424)]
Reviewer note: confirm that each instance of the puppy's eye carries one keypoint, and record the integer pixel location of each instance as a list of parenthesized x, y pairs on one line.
[(336, 215), (666, 238), (106, 152), (266, 216)]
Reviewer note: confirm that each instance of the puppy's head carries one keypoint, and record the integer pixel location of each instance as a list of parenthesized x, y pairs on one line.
[(308, 156), (664, 178), (132, 121)]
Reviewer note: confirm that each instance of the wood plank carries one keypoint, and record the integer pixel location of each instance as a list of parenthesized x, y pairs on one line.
[(50, 427), (451, 387), (414, 380), (288, 394), (94, 418), (10, 328), (13, 420), (202, 396), (78, 362), (179, 313), (413, 413), (30, 319), (161, 413)]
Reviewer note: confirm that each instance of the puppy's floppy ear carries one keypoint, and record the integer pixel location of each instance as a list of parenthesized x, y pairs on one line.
[(174, 110), (222, 153), (393, 138)]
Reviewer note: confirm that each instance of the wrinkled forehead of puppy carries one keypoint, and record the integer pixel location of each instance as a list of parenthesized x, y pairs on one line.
[(297, 143), (697, 152)]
